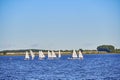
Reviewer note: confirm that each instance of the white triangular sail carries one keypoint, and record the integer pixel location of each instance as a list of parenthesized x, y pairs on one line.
[(41, 55), (59, 54), (53, 54), (80, 54), (27, 55), (74, 55), (32, 54), (49, 54)]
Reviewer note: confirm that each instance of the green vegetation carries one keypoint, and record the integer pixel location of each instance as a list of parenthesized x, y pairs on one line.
[(117, 51), (102, 49), (107, 48)]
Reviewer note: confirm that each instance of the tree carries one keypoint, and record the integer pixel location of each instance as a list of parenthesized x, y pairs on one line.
[(107, 48), (81, 50)]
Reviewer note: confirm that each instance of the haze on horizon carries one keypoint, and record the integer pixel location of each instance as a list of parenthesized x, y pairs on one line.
[(59, 24)]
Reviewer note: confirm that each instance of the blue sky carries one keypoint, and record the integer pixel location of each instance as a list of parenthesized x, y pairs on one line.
[(59, 24)]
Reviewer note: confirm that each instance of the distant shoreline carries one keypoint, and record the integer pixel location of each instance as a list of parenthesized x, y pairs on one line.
[(22, 53)]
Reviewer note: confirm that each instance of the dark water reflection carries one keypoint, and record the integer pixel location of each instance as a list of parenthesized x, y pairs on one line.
[(92, 67)]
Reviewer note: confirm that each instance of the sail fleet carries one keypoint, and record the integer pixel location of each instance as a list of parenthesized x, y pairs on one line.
[(75, 56), (51, 55), (41, 55)]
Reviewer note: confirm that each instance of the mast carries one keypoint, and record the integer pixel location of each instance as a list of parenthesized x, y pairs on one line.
[(53, 54), (49, 54), (27, 56), (74, 55), (32, 54), (80, 55), (59, 54), (41, 55)]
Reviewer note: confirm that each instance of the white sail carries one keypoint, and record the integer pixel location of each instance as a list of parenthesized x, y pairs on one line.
[(49, 54), (53, 54), (80, 54), (27, 55), (41, 55), (32, 54), (74, 55), (59, 54)]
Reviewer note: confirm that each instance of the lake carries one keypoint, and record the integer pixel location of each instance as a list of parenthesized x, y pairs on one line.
[(92, 67)]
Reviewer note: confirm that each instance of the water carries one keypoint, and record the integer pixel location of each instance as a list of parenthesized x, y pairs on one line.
[(92, 67)]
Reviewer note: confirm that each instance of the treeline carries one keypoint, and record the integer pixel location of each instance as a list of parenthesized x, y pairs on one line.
[(99, 49), (108, 48), (34, 50)]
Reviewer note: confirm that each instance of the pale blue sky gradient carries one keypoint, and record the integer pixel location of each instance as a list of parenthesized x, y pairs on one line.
[(59, 24)]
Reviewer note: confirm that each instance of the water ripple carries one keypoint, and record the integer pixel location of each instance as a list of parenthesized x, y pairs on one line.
[(92, 67)]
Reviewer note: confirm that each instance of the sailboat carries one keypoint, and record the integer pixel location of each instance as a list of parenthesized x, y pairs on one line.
[(59, 54), (53, 54), (41, 55), (74, 55), (27, 56), (80, 55), (32, 54), (49, 55)]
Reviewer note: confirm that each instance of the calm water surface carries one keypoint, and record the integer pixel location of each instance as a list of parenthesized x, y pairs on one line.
[(92, 67)]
